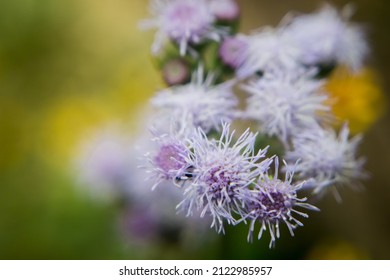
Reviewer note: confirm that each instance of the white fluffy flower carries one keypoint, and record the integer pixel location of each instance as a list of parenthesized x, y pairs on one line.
[(269, 49), (329, 159), (283, 104), (184, 21), (326, 37), (198, 103), (222, 175)]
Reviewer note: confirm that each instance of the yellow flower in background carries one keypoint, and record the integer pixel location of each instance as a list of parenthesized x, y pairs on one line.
[(336, 250), (356, 97)]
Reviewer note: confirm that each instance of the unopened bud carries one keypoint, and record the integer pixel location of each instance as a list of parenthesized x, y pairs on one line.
[(233, 51), (225, 10), (176, 71)]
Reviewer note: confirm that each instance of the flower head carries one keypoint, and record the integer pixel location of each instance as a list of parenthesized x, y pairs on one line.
[(234, 50), (185, 22), (222, 175), (167, 161), (327, 37), (274, 203), (198, 103), (268, 50), (285, 103), (225, 10), (328, 158)]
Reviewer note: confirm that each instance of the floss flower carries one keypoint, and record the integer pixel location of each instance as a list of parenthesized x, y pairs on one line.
[(204, 167), (328, 158), (222, 175), (326, 37), (198, 103), (284, 104), (269, 49), (186, 22), (275, 202), (168, 160), (149, 213), (234, 51)]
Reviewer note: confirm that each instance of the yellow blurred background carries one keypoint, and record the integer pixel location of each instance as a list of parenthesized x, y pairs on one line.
[(67, 67)]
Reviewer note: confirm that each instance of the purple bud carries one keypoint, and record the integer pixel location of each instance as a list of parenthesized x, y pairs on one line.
[(225, 10), (233, 51), (176, 71)]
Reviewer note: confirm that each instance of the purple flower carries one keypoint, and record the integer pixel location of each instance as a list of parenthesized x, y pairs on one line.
[(185, 22), (169, 157), (222, 175), (274, 203), (167, 161)]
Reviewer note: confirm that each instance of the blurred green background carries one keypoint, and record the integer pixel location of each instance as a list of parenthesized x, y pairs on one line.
[(69, 66)]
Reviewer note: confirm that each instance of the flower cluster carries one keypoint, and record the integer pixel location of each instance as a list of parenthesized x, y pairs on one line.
[(222, 174), (321, 40), (231, 177)]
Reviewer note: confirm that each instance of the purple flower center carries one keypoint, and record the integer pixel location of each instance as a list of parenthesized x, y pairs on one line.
[(186, 19), (170, 158), (184, 12), (274, 208), (233, 51), (220, 182)]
